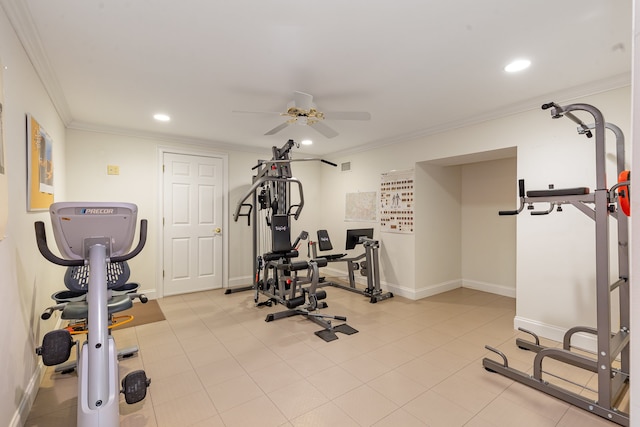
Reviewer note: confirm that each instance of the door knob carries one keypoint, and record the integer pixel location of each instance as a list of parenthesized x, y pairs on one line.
[(218, 230)]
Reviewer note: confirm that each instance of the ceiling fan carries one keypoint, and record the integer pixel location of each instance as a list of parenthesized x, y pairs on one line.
[(303, 111)]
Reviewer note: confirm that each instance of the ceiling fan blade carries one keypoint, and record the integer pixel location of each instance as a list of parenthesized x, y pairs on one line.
[(303, 101), (277, 128), (324, 129), (347, 115), (256, 112)]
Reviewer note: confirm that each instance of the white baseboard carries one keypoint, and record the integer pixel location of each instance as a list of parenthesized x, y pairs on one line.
[(492, 288), (24, 407), (150, 293), (239, 281), (30, 393), (436, 289), (582, 341)]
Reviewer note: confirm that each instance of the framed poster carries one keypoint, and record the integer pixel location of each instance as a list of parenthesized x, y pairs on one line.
[(39, 167)]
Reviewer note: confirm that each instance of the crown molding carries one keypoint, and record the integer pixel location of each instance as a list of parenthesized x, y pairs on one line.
[(570, 94), (167, 138), (22, 22)]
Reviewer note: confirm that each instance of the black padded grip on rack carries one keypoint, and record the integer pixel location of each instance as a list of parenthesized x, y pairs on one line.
[(548, 105), (520, 194), (521, 187)]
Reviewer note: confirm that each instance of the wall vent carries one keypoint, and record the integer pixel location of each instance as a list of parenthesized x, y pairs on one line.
[(346, 166)]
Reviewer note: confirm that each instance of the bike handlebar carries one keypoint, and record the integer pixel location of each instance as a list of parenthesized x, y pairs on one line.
[(43, 247)]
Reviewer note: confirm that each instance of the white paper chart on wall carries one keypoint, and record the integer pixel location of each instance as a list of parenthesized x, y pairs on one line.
[(360, 207), (396, 201)]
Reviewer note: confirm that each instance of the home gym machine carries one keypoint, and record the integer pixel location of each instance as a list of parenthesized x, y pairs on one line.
[(94, 235), (271, 191), (370, 267), (612, 347)]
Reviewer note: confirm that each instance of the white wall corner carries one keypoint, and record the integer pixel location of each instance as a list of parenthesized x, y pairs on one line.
[(427, 291), (505, 291)]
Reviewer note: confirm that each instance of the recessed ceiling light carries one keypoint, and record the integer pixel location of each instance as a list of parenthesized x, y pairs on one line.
[(306, 142), (517, 65), (161, 117)]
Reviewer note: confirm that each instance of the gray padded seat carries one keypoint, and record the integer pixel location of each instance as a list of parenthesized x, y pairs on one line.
[(80, 310)]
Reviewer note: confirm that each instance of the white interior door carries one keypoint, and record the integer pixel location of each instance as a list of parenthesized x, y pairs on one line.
[(193, 207)]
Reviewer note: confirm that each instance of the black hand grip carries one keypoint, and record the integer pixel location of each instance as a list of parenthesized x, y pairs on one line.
[(41, 240), (508, 212), (344, 319), (141, 242), (328, 162), (521, 187), (548, 105), (47, 314)]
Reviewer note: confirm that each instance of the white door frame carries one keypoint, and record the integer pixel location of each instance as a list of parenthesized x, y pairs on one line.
[(225, 211)]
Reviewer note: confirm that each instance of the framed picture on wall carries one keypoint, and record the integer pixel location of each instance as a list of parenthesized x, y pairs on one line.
[(39, 166)]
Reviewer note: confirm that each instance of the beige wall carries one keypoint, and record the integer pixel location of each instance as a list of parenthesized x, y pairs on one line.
[(489, 240), (26, 278), (554, 254), (139, 182), (555, 272)]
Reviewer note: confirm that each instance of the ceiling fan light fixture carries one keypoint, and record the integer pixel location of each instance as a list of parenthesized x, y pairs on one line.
[(517, 65), (306, 142), (161, 117)]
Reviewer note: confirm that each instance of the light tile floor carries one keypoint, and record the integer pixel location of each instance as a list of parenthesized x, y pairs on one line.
[(214, 361)]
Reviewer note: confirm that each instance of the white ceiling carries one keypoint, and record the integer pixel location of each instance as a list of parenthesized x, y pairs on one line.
[(417, 66)]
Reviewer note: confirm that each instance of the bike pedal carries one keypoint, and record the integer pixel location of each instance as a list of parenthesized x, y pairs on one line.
[(134, 386), (56, 347)]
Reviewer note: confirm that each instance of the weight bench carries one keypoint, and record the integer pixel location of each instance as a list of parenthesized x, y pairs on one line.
[(286, 287), (312, 295)]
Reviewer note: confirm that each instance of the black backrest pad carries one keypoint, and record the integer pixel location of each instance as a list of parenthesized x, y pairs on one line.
[(324, 243), (280, 233)]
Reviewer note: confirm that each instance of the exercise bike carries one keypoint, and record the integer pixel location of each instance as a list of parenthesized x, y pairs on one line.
[(95, 235)]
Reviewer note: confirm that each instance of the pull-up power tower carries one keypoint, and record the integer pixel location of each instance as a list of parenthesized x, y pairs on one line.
[(612, 347)]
